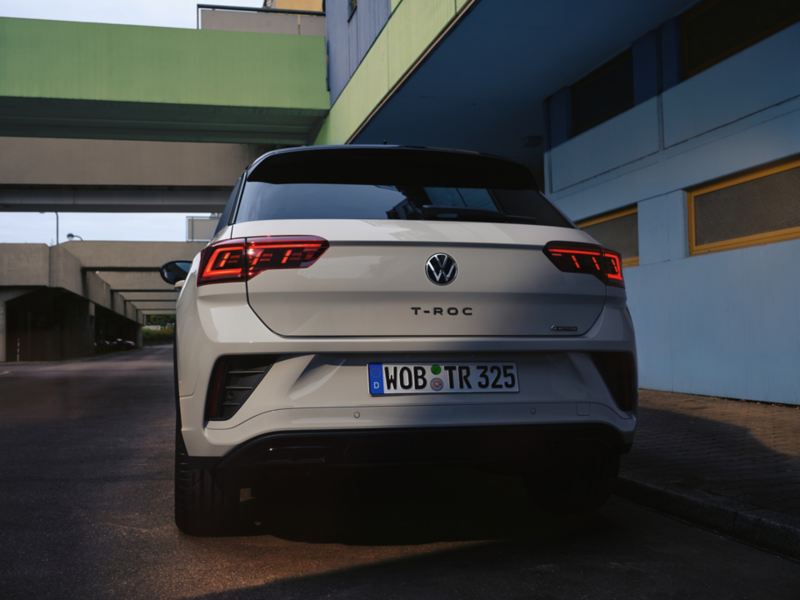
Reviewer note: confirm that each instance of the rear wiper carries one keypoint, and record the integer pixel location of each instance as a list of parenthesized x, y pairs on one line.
[(457, 213)]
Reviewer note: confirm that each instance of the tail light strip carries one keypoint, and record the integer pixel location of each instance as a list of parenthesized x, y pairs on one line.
[(243, 259), (586, 258)]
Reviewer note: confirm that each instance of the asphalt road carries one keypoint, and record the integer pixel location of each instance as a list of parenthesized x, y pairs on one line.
[(86, 511)]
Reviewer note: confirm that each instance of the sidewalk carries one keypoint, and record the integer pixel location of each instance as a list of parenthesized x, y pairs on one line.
[(729, 464)]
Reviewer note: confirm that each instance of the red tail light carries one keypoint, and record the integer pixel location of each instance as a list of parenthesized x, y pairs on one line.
[(586, 258), (243, 259)]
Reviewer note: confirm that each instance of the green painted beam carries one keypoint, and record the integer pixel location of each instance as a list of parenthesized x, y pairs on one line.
[(414, 26), (100, 80)]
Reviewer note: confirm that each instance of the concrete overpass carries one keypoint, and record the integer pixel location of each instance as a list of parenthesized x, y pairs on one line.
[(92, 80), (100, 117)]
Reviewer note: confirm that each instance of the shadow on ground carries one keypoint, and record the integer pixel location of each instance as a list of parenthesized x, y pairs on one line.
[(399, 506)]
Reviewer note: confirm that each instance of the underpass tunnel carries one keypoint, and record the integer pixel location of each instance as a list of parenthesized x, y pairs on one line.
[(81, 298)]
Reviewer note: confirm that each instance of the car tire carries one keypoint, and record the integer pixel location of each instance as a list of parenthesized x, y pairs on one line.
[(575, 486), (206, 503)]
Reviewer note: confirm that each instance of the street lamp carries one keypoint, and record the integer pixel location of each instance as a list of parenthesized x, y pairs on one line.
[(72, 236)]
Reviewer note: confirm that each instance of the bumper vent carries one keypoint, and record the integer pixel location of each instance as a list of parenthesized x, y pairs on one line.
[(233, 379), (618, 370)]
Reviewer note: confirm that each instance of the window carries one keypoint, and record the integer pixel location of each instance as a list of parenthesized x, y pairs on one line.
[(618, 231), (386, 182), (604, 93), (261, 201), (754, 208), (713, 30)]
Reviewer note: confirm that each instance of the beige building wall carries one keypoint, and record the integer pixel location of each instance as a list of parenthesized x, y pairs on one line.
[(56, 161), (261, 22)]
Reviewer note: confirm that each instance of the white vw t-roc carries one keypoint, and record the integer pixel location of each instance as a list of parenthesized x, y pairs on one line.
[(382, 305)]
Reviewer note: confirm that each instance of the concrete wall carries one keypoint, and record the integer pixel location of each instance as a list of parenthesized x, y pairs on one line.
[(24, 265), (65, 270), (201, 229), (49, 161), (724, 323), (96, 80), (92, 254)]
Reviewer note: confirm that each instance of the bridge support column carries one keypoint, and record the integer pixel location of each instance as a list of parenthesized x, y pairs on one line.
[(5, 296)]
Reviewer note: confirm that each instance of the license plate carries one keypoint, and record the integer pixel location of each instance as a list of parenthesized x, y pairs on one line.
[(442, 378)]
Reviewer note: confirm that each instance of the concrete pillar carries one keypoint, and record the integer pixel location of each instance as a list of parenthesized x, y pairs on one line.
[(2, 330), (75, 326), (5, 296)]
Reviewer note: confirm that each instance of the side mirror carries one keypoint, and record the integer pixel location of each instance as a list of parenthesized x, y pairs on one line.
[(175, 271)]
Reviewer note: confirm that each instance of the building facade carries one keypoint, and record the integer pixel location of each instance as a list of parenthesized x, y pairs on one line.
[(684, 152), (670, 129), (674, 137)]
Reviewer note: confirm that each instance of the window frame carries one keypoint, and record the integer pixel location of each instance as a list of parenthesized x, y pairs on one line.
[(755, 239), (630, 261)]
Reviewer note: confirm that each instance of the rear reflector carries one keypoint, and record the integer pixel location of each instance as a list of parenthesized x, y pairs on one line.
[(587, 258), (243, 259)]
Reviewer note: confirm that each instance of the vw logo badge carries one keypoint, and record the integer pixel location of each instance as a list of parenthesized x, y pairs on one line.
[(441, 269)]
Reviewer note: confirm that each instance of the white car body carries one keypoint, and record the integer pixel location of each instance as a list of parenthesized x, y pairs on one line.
[(367, 299), (307, 391)]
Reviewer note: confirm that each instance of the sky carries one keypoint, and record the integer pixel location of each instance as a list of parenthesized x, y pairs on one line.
[(41, 228), (162, 13), (28, 227)]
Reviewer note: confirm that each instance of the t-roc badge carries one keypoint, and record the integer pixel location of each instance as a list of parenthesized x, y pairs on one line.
[(441, 268)]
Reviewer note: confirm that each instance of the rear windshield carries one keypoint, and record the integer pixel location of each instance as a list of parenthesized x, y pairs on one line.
[(385, 182), (263, 200)]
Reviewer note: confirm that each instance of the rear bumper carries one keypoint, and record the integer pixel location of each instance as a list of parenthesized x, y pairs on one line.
[(321, 385), (525, 446)]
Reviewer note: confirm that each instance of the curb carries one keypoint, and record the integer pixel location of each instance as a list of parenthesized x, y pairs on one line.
[(760, 528)]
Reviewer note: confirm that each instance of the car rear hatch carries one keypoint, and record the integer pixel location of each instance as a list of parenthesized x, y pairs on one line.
[(373, 280)]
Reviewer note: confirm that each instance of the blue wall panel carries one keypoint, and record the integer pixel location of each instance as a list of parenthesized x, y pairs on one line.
[(670, 54), (645, 67), (663, 232), (336, 28), (761, 76), (349, 38), (590, 154), (559, 108), (721, 324)]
